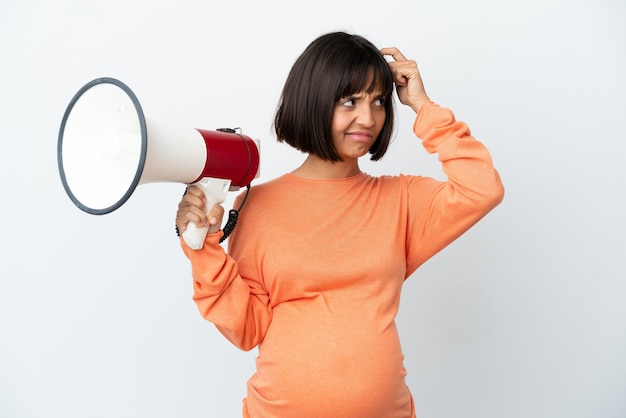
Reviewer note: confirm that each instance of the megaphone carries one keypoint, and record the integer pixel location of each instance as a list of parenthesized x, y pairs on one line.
[(107, 147)]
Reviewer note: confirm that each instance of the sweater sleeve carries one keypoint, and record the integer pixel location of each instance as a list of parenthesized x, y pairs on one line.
[(441, 211), (239, 307)]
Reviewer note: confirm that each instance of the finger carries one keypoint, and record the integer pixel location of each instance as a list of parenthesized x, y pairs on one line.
[(194, 197), (394, 53), (191, 214), (215, 218), (402, 73), (195, 190)]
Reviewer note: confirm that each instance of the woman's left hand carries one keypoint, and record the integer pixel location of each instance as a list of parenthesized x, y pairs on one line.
[(406, 75)]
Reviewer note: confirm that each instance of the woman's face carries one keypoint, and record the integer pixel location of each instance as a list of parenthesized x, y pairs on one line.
[(357, 121)]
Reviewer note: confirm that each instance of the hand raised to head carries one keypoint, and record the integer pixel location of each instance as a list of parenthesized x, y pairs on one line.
[(406, 75)]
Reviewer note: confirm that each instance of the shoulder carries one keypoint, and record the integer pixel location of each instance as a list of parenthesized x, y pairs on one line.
[(269, 186), (265, 194)]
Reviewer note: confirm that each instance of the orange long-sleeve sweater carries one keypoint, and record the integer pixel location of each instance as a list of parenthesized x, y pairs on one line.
[(315, 268)]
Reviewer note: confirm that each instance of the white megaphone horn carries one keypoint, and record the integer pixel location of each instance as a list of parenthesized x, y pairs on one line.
[(107, 148)]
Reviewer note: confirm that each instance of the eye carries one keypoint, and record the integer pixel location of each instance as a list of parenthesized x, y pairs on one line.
[(348, 101)]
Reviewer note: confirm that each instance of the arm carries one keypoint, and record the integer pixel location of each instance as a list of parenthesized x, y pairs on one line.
[(239, 307), (440, 212)]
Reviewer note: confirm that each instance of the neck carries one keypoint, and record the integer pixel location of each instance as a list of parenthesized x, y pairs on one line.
[(316, 168)]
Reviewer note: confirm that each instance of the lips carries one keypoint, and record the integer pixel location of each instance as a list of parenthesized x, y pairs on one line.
[(360, 136)]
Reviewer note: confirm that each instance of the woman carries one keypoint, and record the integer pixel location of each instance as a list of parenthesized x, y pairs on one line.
[(315, 267)]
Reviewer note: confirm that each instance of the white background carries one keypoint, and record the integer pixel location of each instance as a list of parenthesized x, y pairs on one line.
[(524, 316)]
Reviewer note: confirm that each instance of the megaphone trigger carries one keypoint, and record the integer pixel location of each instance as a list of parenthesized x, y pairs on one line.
[(215, 191)]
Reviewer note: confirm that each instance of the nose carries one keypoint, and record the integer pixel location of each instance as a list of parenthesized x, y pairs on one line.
[(365, 116)]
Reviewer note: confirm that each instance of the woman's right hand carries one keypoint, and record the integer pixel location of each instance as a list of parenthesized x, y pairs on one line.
[(192, 208), (409, 85)]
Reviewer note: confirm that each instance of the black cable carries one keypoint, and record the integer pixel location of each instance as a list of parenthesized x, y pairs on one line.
[(233, 217), (233, 214)]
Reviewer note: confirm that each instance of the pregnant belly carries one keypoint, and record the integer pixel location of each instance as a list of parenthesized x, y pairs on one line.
[(319, 366)]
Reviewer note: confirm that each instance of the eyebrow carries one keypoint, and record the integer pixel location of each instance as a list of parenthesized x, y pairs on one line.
[(360, 95)]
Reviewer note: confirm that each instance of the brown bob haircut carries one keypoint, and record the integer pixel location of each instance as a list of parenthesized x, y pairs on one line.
[(334, 66)]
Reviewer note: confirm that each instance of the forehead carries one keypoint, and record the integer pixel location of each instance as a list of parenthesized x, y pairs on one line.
[(371, 95), (369, 80)]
